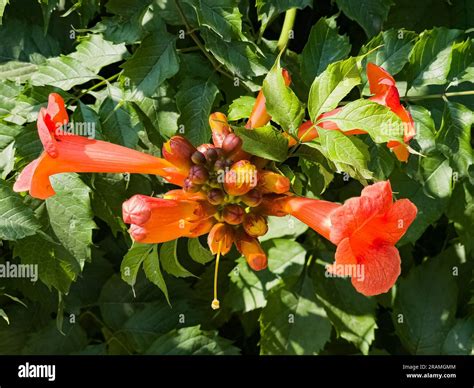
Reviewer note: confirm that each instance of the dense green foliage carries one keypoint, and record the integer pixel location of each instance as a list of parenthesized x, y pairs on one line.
[(143, 70)]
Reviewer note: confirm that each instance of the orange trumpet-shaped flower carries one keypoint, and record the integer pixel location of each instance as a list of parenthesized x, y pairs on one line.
[(155, 220), (259, 116), (252, 250), (65, 152), (384, 90), (365, 230)]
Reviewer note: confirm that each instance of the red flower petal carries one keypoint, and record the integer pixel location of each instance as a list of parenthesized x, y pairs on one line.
[(381, 268)]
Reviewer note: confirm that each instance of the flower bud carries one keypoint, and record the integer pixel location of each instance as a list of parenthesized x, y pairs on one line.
[(252, 250), (241, 178), (190, 187), (136, 210), (232, 144), (233, 214), (219, 127), (204, 147), (223, 235), (215, 196), (211, 155), (198, 158), (255, 225), (198, 175), (271, 182), (252, 198), (220, 165), (178, 151)]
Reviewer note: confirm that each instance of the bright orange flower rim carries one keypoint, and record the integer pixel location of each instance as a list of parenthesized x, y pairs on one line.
[(228, 193)]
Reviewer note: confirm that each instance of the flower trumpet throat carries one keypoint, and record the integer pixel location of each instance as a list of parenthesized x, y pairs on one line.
[(364, 229)]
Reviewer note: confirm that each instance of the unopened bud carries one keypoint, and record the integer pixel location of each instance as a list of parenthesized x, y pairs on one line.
[(215, 196), (178, 151), (252, 198), (190, 187), (241, 178), (198, 158), (271, 182), (198, 175), (255, 225), (233, 214), (211, 155), (219, 127), (232, 143)]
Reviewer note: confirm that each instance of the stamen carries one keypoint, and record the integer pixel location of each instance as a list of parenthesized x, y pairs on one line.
[(215, 303)]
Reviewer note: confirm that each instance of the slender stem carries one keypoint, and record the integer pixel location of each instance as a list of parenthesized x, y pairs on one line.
[(97, 85), (190, 32), (441, 95), (286, 29)]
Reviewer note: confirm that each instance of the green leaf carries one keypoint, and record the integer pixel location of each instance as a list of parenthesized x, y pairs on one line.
[(454, 136), (126, 8), (378, 121), (265, 142), (425, 129), (281, 102), (352, 314), (169, 260), (199, 253), (462, 64), (94, 52), (63, 72), (349, 154), (162, 112), (248, 288), (393, 54), (50, 341), (242, 58), (430, 208), (324, 46), (194, 101), (286, 258), (70, 215), (293, 322), (16, 219), (423, 314), (151, 267), (370, 14), (287, 226), (154, 61), (192, 341), (437, 176), (241, 108), (222, 16), (268, 10), (3, 4), (330, 87), (430, 58), (17, 71), (4, 315), (117, 124), (459, 338), (461, 211), (56, 267), (133, 260)]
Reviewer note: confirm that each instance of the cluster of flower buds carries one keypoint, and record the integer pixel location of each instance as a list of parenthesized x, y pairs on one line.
[(228, 179)]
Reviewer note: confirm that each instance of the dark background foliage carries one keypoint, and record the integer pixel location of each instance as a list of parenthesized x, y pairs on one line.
[(91, 51)]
